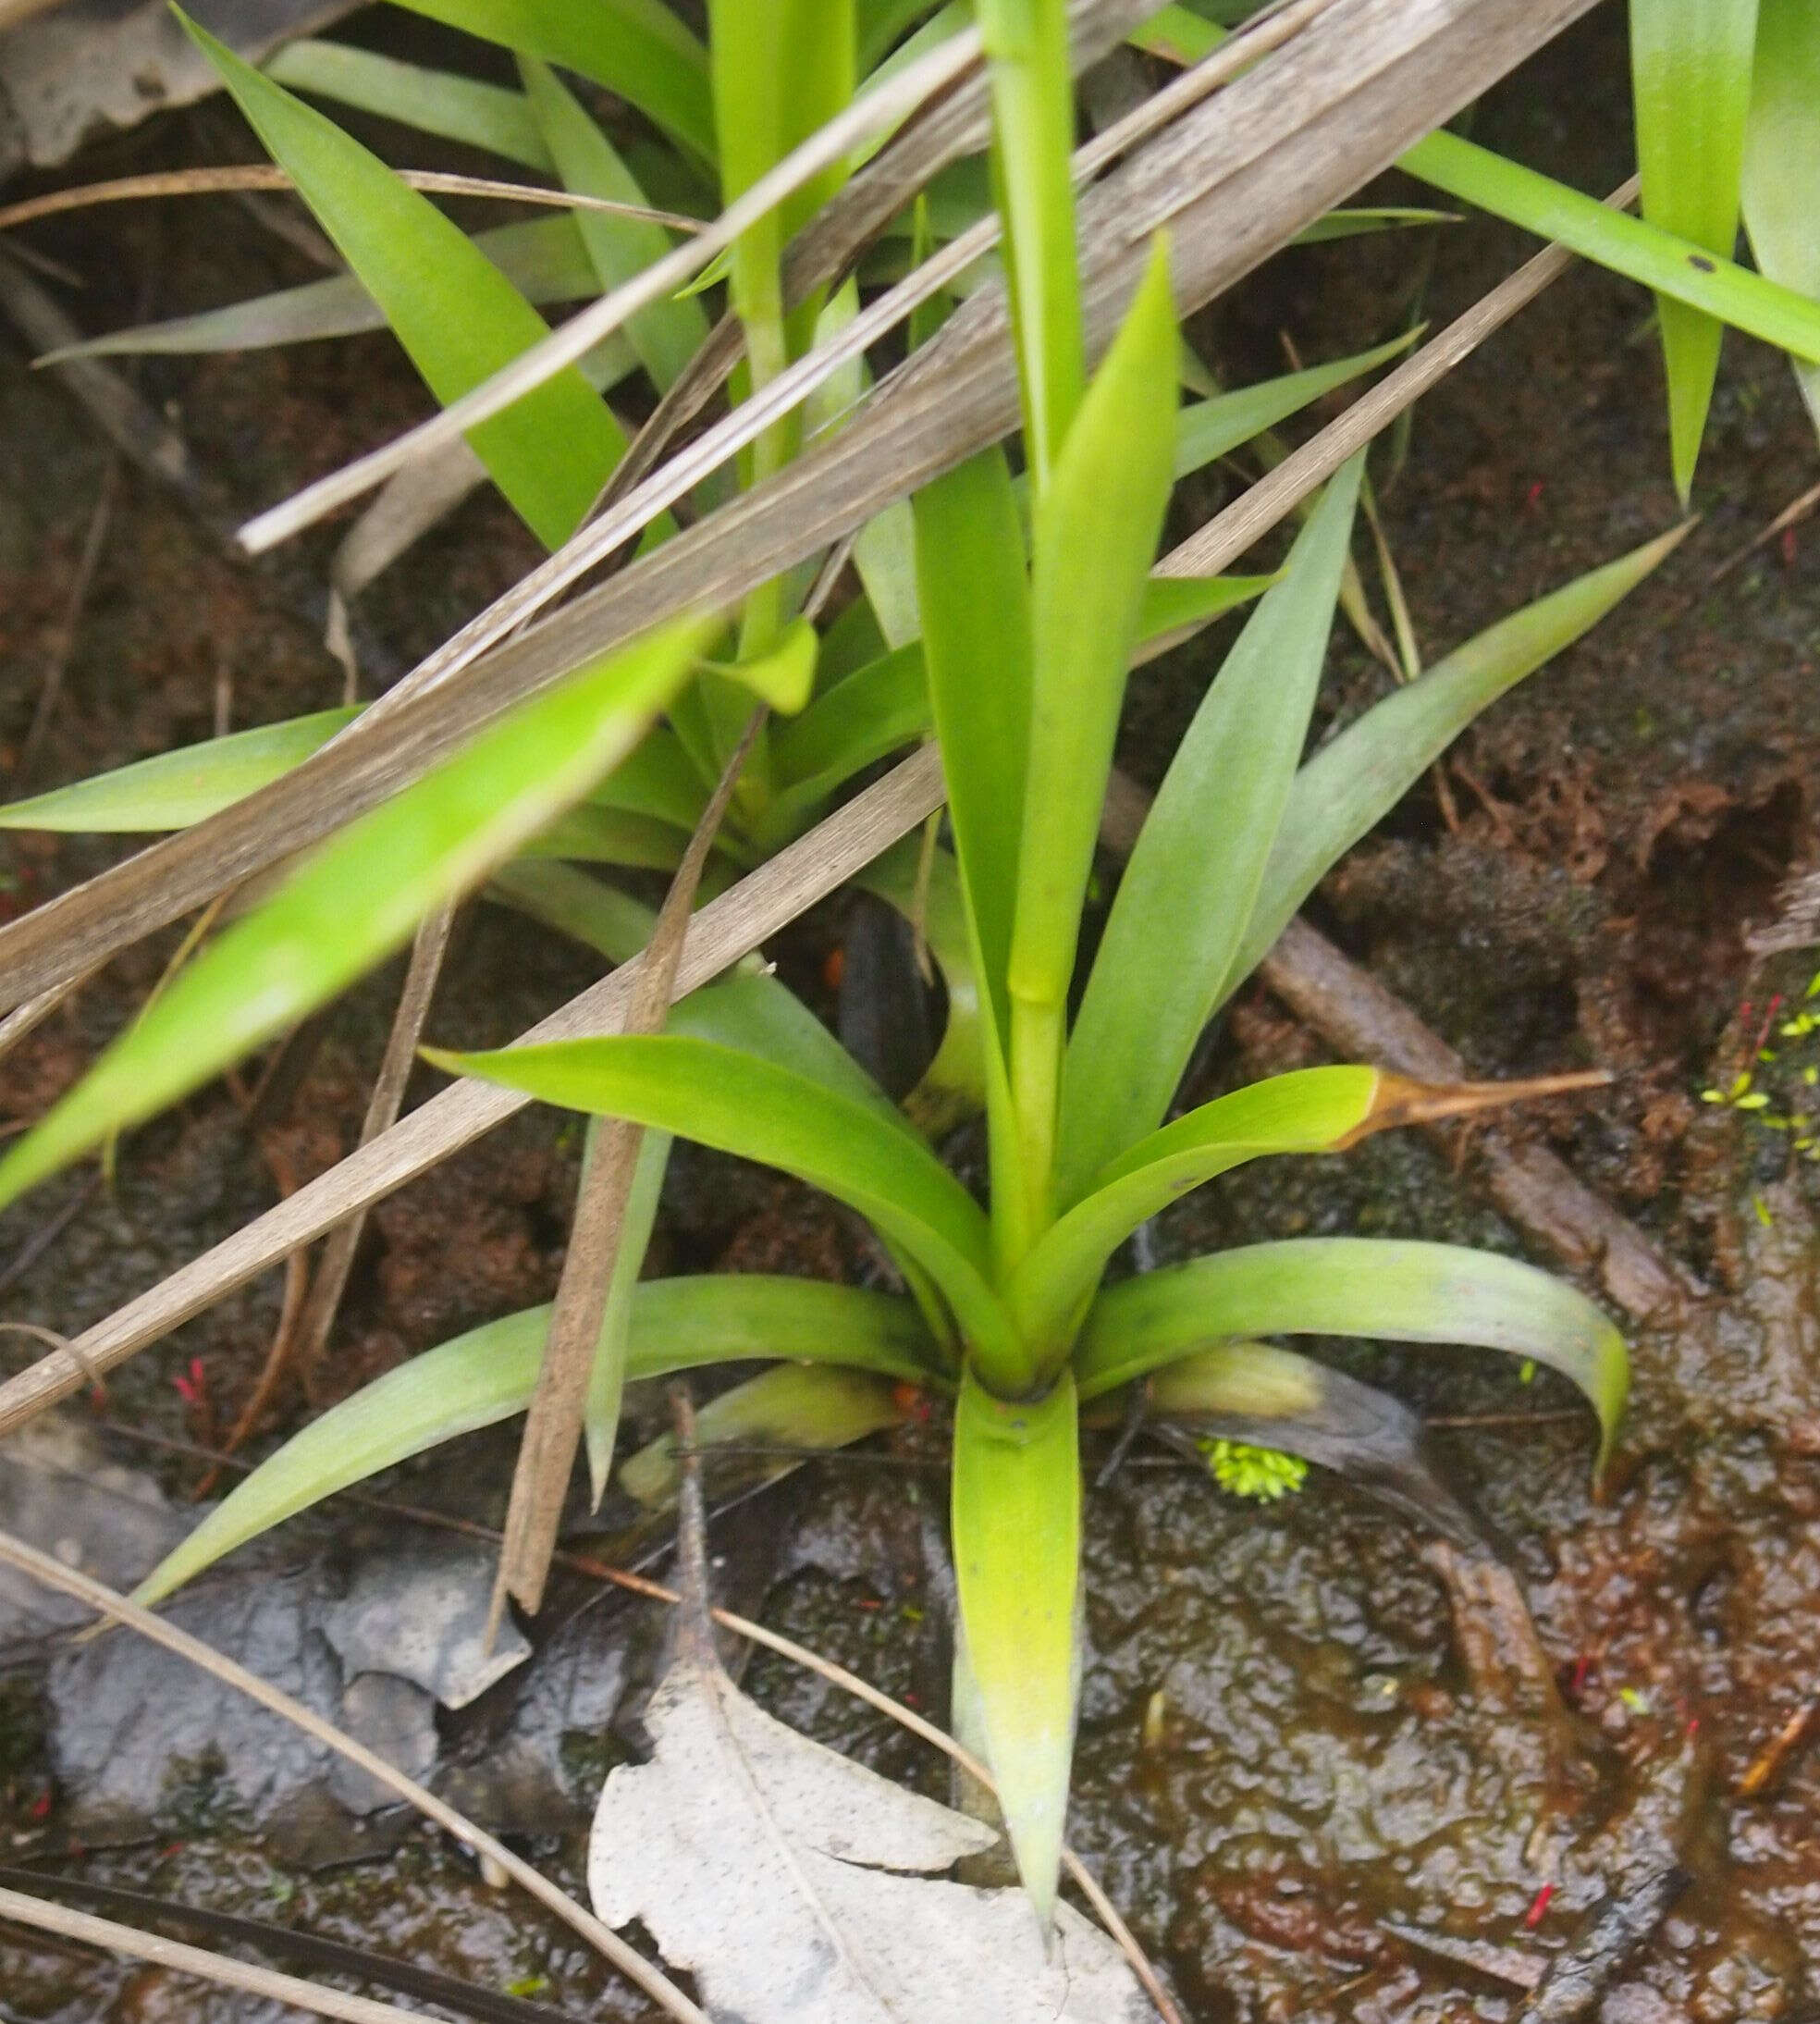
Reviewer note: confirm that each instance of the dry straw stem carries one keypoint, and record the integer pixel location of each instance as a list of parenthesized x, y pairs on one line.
[(1236, 177), (553, 1426), (220, 1968), (203, 183), (330, 1279), (724, 931), (15, 1553)]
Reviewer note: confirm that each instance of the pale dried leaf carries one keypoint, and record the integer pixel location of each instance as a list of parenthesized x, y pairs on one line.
[(785, 1879)]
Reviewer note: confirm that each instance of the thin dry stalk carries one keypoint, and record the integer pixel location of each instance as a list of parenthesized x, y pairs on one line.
[(201, 1962), (553, 1426), (413, 1009), (90, 560), (15, 1553), (203, 183), (725, 929)]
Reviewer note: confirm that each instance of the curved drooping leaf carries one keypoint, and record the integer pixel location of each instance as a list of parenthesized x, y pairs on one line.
[(333, 919), (1199, 861), (638, 49), (1253, 1392), (444, 103), (1691, 76), (1355, 1286), (1782, 158), (543, 258), (175, 789), (743, 1104), (1310, 1110), (1627, 245), (488, 1376), (1015, 1510), (1358, 777), (811, 1407), (456, 315)]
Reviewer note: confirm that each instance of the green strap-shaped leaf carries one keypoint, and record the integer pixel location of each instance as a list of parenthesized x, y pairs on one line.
[(1016, 1523), (1659, 260), (665, 334), (488, 1375), (884, 704), (1358, 777), (543, 258), (1189, 887), (1310, 1110), (178, 788), (974, 592), (638, 49), (333, 917), (1033, 133), (1208, 429), (591, 835), (1096, 533), (1782, 157), (1691, 77), (1355, 1286), (740, 1104), (453, 312), (444, 103), (814, 1408)]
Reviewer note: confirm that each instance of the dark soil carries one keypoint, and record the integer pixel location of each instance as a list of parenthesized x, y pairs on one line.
[(1305, 1733)]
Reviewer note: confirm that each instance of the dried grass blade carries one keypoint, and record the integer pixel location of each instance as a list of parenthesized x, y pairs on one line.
[(203, 183), (54, 1574), (1227, 536), (553, 1427), (200, 1962), (724, 930), (414, 1007)]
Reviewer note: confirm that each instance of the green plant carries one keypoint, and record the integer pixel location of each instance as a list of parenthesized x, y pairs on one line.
[(1024, 645)]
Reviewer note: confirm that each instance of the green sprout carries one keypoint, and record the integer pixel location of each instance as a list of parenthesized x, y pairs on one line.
[(1260, 1474)]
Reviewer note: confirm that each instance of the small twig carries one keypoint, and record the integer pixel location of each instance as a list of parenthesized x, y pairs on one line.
[(202, 183), (14, 1552), (1797, 509), (40, 1240), (1769, 1762), (94, 542), (413, 1009), (553, 1426), (220, 1968)]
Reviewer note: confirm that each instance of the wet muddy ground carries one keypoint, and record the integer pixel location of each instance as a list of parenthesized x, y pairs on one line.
[(1323, 1766)]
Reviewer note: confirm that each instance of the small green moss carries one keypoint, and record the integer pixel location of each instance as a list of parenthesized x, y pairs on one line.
[(1260, 1474)]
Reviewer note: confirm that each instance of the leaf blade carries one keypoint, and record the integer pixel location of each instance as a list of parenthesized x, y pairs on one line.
[(1016, 1524), (1691, 69), (332, 919), (1404, 1290), (744, 1104), (1165, 952), (451, 308)]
